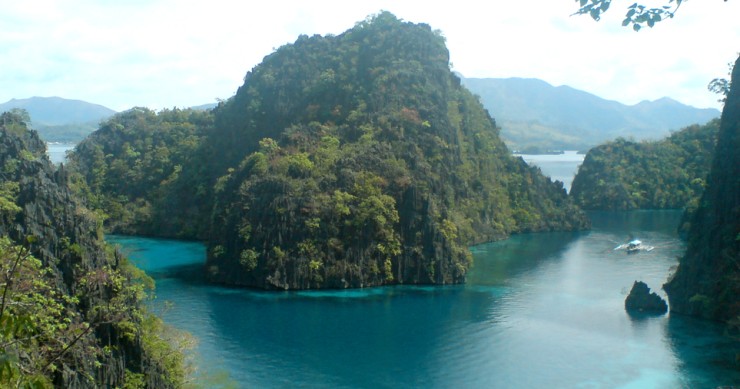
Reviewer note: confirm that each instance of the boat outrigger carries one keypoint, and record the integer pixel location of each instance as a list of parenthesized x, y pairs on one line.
[(634, 246)]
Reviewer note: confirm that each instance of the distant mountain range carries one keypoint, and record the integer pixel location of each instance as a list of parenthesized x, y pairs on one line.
[(533, 115), (61, 120), (536, 115), (205, 107)]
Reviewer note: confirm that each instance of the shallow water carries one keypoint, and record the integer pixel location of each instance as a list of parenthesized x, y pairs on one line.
[(539, 310)]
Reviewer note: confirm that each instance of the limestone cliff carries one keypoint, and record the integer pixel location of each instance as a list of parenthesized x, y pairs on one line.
[(359, 160), (70, 337), (707, 282), (342, 161)]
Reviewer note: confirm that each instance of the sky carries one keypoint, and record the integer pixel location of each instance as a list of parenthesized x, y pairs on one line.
[(180, 53)]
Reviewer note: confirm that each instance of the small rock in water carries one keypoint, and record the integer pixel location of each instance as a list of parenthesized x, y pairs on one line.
[(641, 300)]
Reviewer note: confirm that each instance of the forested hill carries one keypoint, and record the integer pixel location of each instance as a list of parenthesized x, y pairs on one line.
[(342, 161), (380, 167), (146, 172), (670, 173), (71, 311), (707, 282), (535, 114)]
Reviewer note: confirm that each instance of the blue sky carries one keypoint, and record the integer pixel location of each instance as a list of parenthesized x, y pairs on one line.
[(166, 53)]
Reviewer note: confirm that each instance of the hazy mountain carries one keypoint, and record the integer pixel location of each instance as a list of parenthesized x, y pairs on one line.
[(533, 113), (205, 107), (56, 110), (58, 119)]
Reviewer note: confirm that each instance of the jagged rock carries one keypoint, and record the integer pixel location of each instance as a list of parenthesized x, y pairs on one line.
[(641, 300), (707, 281), (403, 168), (67, 241)]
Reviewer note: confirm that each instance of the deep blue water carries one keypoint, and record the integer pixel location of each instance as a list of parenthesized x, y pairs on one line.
[(538, 311)]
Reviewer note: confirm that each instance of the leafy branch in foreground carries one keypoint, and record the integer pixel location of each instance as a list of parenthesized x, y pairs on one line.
[(721, 86), (637, 15), (37, 325), (42, 329)]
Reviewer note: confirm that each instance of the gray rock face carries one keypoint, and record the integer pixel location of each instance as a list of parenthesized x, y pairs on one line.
[(59, 222), (707, 281), (641, 300)]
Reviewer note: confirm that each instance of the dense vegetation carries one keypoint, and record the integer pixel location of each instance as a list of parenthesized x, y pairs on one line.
[(343, 161), (141, 169), (624, 175), (707, 282), (70, 306)]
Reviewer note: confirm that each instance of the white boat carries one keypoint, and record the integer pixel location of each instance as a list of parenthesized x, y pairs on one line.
[(634, 246)]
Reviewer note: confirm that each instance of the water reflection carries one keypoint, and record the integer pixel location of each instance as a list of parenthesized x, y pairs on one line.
[(661, 221), (380, 335), (520, 253)]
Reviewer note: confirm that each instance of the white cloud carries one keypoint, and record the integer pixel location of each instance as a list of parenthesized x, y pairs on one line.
[(178, 53)]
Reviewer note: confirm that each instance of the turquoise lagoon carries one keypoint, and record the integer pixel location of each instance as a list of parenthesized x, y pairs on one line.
[(538, 311)]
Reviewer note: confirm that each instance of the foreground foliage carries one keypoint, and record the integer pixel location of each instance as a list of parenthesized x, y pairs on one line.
[(638, 15), (70, 307)]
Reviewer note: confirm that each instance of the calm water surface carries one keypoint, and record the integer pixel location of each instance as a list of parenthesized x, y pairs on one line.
[(538, 311), (57, 152), (561, 167)]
